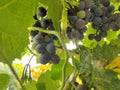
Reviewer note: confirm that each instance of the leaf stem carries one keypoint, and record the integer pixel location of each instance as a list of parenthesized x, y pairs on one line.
[(5, 58)]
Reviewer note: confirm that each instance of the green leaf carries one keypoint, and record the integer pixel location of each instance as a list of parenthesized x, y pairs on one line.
[(15, 17), (54, 11), (31, 86), (4, 81)]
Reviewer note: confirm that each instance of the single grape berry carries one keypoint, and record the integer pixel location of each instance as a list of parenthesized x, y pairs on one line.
[(34, 33), (81, 14), (80, 24), (110, 8), (42, 11), (106, 3), (103, 33), (97, 20), (72, 20), (40, 48), (104, 19), (39, 38), (98, 12), (37, 24), (45, 23), (88, 4), (95, 26), (35, 17), (71, 12), (55, 59), (97, 38), (75, 34), (50, 48), (105, 27), (45, 58), (91, 36), (83, 30), (81, 36), (82, 5)]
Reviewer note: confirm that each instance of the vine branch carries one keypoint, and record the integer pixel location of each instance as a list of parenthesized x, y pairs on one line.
[(3, 55)]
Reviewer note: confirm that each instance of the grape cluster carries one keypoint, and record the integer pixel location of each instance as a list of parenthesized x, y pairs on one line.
[(78, 17), (45, 42), (100, 13), (102, 19)]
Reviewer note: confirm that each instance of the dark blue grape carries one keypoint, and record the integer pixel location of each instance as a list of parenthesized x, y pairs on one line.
[(40, 48), (37, 24), (110, 8), (51, 48), (106, 3), (34, 33), (44, 23), (95, 26), (97, 38), (42, 11), (45, 58), (80, 24), (91, 36), (75, 34), (55, 59), (105, 27), (98, 12), (103, 33), (104, 19), (73, 20), (97, 20)]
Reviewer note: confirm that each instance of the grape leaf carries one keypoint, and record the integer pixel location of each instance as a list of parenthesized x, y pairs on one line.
[(4, 80), (54, 11), (15, 17)]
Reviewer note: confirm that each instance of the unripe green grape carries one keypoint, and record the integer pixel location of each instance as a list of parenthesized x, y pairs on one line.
[(81, 14)]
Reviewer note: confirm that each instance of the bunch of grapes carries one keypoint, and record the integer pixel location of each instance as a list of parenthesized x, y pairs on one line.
[(100, 13), (45, 42), (78, 17), (103, 19)]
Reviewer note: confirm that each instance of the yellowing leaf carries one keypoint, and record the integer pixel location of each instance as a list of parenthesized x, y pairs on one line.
[(114, 65), (78, 80)]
